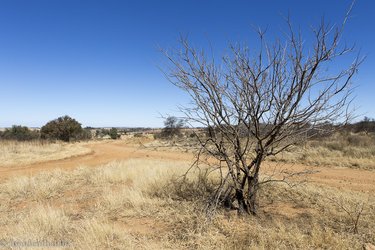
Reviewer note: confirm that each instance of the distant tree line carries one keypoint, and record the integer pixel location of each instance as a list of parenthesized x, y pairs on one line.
[(63, 128), (19, 133), (367, 125), (68, 129)]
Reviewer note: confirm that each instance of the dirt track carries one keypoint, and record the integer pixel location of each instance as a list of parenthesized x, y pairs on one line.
[(104, 152), (101, 153)]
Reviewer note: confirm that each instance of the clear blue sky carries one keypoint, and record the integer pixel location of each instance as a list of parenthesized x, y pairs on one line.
[(97, 60)]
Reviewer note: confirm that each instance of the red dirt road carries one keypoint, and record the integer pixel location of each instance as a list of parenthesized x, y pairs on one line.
[(101, 153), (104, 152)]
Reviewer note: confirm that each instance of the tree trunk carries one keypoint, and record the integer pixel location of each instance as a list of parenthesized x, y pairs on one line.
[(252, 194), (242, 204), (252, 184)]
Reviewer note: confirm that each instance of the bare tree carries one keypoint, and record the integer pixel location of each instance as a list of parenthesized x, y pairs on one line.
[(257, 104), (172, 127)]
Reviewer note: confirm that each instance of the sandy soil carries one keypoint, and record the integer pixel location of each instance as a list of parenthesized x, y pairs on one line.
[(104, 152)]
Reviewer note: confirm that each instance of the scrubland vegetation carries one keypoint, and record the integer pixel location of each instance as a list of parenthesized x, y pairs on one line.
[(144, 204), (147, 204), (340, 149), (345, 149), (260, 109)]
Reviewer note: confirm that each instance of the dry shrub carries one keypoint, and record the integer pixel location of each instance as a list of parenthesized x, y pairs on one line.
[(194, 185)]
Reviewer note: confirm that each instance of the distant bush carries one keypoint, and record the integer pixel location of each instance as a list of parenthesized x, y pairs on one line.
[(85, 135), (113, 133), (172, 127), (63, 128), (99, 133), (20, 133), (157, 136)]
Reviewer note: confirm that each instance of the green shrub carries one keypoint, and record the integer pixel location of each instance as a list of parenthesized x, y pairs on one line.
[(63, 128), (20, 133), (113, 133)]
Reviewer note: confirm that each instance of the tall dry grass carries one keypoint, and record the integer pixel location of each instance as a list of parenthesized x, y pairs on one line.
[(144, 204), (339, 150), (15, 153)]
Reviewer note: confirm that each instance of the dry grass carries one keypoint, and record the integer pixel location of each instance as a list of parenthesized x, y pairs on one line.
[(14, 153), (339, 150), (142, 204)]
